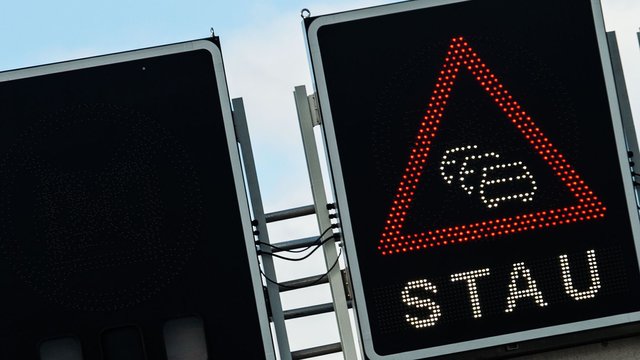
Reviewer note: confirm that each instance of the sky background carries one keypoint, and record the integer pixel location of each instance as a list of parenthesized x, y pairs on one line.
[(265, 58)]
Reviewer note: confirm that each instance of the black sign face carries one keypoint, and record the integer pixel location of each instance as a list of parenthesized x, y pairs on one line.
[(480, 172), (122, 208)]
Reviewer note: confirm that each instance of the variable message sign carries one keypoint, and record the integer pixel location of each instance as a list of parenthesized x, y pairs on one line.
[(479, 165)]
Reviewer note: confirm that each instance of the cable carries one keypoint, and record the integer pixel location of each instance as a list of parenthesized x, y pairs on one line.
[(315, 243), (307, 255), (314, 282)]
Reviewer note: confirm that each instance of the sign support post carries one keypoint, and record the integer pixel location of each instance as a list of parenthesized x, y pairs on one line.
[(320, 200)]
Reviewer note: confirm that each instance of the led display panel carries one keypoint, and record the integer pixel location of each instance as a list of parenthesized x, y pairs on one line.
[(480, 171), (124, 222)]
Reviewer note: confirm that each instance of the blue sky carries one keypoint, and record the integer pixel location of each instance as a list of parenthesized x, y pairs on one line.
[(265, 58), (40, 31)]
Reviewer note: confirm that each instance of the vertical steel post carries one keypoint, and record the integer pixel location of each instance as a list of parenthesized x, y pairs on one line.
[(623, 95), (322, 213), (275, 303), (625, 106)]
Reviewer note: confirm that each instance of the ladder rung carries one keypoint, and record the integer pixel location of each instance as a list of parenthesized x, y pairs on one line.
[(290, 213), (292, 244), (303, 282), (310, 310), (316, 351), (311, 281)]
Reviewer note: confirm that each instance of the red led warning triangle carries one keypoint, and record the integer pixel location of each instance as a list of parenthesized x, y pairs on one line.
[(461, 56)]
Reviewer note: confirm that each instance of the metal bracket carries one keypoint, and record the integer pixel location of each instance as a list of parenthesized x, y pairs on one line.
[(316, 118)]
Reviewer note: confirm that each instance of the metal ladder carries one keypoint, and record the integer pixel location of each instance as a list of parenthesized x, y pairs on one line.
[(336, 277)]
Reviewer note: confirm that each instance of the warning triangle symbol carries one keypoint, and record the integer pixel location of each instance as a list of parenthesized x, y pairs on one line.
[(461, 57)]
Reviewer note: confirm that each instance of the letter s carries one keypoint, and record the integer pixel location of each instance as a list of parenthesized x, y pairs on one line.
[(431, 306)]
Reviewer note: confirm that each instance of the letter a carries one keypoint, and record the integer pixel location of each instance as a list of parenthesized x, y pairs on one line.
[(521, 272)]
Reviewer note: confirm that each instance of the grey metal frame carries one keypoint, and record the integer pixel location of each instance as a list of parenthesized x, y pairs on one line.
[(275, 303), (322, 213)]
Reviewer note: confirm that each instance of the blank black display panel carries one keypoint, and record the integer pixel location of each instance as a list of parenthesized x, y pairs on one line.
[(119, 207)]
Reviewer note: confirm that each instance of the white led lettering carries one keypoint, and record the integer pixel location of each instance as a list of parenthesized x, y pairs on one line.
[(593, 272), (470, 277), (523, 290), (519, 271), (432, 308)]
